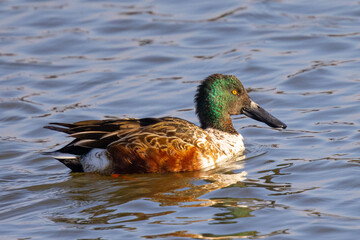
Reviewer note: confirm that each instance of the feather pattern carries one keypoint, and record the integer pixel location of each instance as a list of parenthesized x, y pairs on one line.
[(147, 145)]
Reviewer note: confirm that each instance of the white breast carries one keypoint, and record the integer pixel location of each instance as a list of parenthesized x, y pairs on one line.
[(228, 146)]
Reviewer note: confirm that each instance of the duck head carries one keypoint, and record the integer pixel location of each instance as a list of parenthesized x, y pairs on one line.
[(220, 96)]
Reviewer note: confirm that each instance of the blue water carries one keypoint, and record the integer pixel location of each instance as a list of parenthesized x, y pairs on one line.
[(76, 60)]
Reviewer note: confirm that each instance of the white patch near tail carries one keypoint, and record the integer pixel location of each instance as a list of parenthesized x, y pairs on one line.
[(95, 161)]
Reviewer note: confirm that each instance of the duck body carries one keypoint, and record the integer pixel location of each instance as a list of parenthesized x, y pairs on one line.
[(166, 144), (145, 145)]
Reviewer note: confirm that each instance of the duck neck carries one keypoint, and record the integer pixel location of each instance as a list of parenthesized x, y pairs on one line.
[(212, 119)]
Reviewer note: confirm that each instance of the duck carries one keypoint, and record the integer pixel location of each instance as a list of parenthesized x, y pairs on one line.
[(164, 144)]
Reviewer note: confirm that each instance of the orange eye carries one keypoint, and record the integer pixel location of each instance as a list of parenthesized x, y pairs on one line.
[(234, 92)]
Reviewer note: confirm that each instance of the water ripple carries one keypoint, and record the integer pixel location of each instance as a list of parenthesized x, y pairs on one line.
[(76, 60)]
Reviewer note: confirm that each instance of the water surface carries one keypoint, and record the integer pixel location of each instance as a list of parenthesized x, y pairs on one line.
[(76, 60)]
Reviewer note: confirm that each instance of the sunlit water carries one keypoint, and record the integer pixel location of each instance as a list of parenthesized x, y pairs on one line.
[(75, 60)]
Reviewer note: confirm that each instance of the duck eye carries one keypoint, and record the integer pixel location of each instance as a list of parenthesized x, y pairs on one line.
[(234, 92)]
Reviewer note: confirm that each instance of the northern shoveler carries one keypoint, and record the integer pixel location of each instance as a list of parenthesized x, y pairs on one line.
[(166, 144)]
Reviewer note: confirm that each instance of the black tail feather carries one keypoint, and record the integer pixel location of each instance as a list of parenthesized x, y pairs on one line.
[(59, 129), (69, 160), (72, 163)]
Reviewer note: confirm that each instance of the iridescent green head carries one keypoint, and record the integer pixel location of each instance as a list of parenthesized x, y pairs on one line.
[(220, 96)]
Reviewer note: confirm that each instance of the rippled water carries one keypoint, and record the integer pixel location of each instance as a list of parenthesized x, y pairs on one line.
[(75, 60)]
